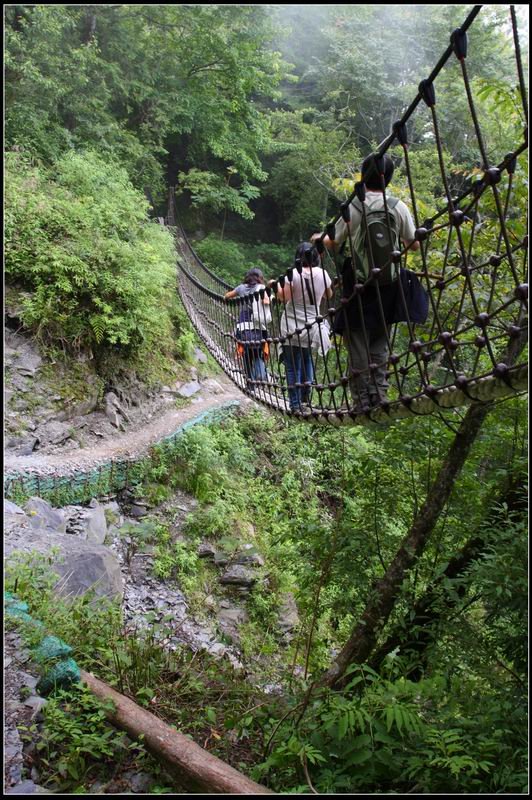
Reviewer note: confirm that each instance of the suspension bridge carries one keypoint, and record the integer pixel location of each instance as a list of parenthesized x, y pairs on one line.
[(472, 263)]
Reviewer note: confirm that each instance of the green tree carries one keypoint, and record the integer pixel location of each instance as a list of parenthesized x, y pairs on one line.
[(309, 159), (93, 271), (131, 80)]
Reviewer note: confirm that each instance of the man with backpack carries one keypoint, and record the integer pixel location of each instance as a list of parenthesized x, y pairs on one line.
[(377, 225)]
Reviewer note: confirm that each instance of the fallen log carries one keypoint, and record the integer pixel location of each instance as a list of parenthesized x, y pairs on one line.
[(195, 768)]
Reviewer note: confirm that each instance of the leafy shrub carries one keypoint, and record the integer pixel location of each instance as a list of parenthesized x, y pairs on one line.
[(400, 736), (95, 273), (213, 191), (226, 258), (231, 260), (76, 738)]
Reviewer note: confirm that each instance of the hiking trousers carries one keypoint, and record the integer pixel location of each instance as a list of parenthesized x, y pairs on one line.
[(367, 388), (254, 366)]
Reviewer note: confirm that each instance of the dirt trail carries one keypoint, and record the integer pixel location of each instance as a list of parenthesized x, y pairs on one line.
[(125, 445)]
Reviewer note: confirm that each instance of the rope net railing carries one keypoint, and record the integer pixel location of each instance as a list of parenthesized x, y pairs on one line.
[(437, 322), (210, 279)]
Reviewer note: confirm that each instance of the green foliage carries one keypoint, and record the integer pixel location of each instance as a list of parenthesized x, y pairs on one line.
[(231, 260), (194, 89), (227, 259), (95, 273), (211, 190), (394, 733), (75, 738), (136, 84), (180, 561), (305, 171), (399, 736)]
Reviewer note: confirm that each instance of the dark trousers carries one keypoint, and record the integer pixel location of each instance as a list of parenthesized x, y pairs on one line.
[(367, 388)]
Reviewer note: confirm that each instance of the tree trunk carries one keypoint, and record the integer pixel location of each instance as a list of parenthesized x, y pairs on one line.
[(194, 768), (432, 606), (385, 592), (89, 31)]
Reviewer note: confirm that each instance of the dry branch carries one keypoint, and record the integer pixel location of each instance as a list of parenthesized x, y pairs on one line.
[(195, 768)]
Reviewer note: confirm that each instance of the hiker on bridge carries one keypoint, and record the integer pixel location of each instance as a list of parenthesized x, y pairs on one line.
[(304, 287), (375, 232), (251, 329)]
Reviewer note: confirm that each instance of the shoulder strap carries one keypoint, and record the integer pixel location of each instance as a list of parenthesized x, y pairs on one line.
[(310, 292)]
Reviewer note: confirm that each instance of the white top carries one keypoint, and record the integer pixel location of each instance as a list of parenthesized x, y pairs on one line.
[(301, 309)]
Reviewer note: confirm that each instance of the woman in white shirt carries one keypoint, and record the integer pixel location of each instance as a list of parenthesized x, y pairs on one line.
[(302, 295)]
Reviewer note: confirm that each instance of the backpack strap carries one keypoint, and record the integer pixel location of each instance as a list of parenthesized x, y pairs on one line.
[(359, 206), (391, 202), (309, 291)]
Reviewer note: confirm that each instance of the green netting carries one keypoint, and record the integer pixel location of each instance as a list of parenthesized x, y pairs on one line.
[(52, 647), (17, 611), (59, 676), (95, 482)]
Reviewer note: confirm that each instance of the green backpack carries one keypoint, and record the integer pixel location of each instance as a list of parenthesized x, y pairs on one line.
[(373, 247)]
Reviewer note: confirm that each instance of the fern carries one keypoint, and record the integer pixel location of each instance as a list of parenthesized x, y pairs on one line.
[(98, 325)]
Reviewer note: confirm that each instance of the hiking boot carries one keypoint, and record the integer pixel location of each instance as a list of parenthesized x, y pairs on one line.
[(376, 400), (302, 408)]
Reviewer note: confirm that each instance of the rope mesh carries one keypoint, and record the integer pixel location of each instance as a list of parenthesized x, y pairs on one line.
[(474, 276)]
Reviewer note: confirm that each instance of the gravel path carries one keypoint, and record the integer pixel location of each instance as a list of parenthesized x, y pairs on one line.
[(127, 445)]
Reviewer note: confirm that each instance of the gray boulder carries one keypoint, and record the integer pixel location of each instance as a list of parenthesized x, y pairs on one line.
[(114, 410), (36, 704), (25, 447), (28, 363), (28, 787), (206, 550), (188, 389), (140, 782), (54, 432), (288, 614), (238, 575), (213, 386), (80, 408), (200, 356), (137, 511), (11, 508), (42, 515), (232, 615), (79, 564), (230, 618), (249, 555), (96, 525)]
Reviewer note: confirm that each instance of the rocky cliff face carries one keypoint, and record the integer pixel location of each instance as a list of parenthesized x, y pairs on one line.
[(63, 404)]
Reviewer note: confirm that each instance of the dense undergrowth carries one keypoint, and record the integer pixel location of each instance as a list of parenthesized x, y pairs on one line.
[(87, 270), (448, 716), (109, 104)]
